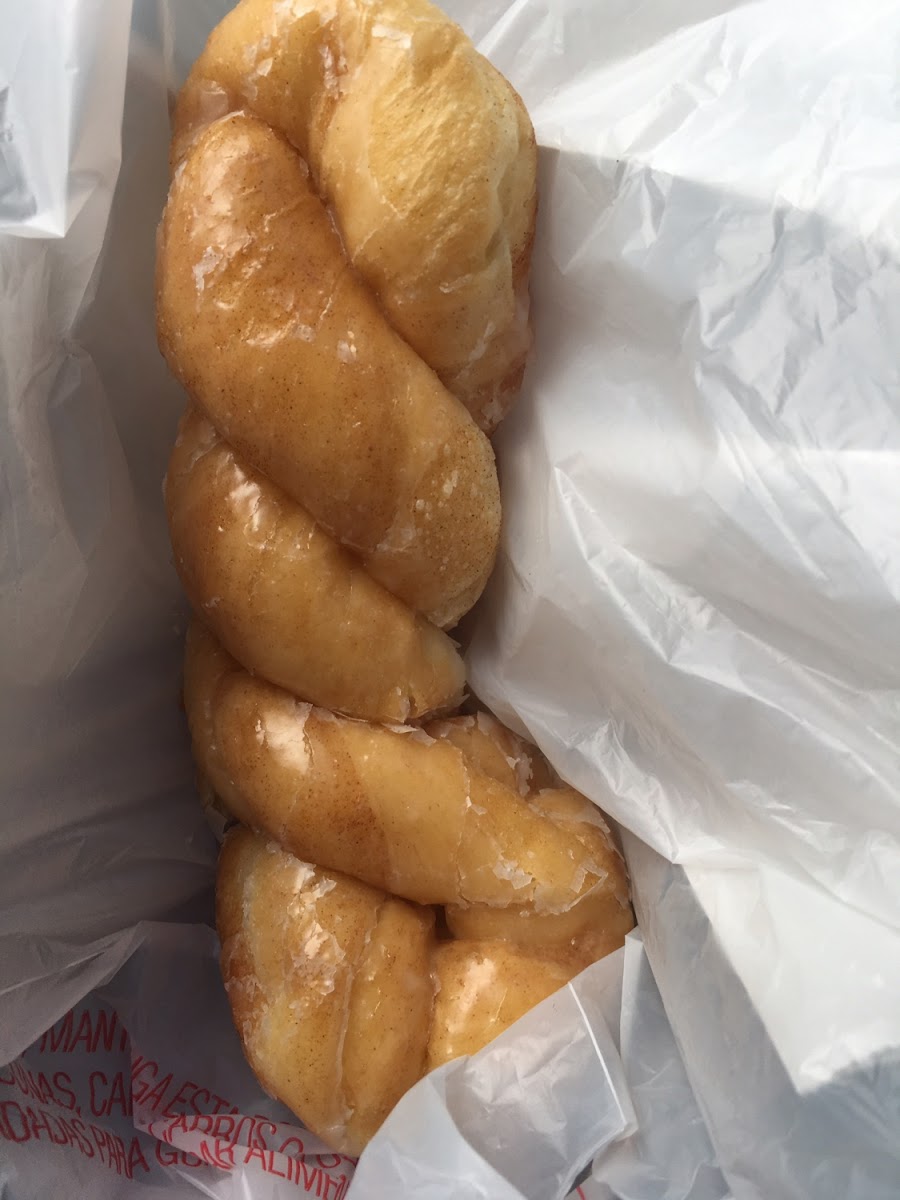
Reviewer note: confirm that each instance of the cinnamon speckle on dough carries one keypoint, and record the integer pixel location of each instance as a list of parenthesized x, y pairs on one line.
[(342, 291)]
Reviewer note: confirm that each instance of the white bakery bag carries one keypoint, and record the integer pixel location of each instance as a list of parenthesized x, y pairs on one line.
[(696, 614)]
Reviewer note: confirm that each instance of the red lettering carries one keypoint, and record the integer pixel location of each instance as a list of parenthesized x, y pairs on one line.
[(139, 1067), (298, 1153), (154, 1098), (104, 1030), (68, 1132), (121, 1159), (255, 1152), (220, 1104), (272, 1167), (98, 1106), (180, 1097), (99, 1136), (200, 1122), (167, 1156), (81, 1129), (37, 1121), (54, 1124), (84, 1033), (261, 1141), (311, 1175), (75, 1133), (238, 1133), (110, 1150), (219, 1154), (176, 1123), (9, 1111), (23, 1080), (34, 1088), (18, 1125), (331, 1182), (224, 1152), (198, 1105), (185, 1155), (62, 1081), (61, 1033), (136, 1157), (119, 1098), (223, 1127)]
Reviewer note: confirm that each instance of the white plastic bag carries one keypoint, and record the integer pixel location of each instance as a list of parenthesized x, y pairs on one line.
[(707, 637), (695, 614)]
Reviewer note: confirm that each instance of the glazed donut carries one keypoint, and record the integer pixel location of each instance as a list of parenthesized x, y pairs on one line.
[(418, 146), (351, 984), (289, 601), (291, 359), (342, 289), (400, 810), (308, 957)]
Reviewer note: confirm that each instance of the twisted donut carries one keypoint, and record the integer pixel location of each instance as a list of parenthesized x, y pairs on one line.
[(359, 996), (289, 601), (422, 151), (409, 813), (342, 290)]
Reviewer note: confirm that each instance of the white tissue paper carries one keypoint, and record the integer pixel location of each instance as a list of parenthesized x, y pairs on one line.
[(695, 614)]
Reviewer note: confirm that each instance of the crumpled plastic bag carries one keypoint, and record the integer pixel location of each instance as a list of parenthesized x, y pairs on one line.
[(695, 614)]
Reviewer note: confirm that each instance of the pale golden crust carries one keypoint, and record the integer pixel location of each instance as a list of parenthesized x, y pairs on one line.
[(287, 601), (481, 988), (287, 354), (424, 153), (408, 813), (496, 751), (342, 288), (392, 807), (597, 921), (206, 664), (302, 951), (341, 994), (389, 1015)]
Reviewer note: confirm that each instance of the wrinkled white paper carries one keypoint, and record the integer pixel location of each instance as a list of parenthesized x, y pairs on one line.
[(695, 611)]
